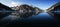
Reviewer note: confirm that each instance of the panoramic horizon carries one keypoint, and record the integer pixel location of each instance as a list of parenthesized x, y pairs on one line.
[(42, 4), (29, 13)]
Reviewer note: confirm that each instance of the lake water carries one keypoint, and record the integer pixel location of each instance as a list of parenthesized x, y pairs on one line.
[(16, 19)]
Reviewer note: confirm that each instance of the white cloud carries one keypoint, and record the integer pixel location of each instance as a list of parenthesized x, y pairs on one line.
[(10, 3), (15, 3)]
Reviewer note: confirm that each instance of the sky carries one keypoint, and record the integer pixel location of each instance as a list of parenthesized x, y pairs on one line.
[(42, 4)]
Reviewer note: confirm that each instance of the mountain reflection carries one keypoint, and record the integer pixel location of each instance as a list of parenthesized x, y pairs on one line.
[(55, 14), (24, 15), (4, 14), (17, 15)]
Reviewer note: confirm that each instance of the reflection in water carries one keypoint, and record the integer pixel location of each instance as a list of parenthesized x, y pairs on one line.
[(18, 15), (4, 14), (17, 18), (24, 15), (55, 14)]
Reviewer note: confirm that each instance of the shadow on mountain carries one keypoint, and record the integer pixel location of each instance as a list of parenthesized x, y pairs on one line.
[(26, 8), (5, 7)]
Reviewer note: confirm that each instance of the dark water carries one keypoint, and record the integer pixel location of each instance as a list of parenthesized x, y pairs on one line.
[(15, 19)]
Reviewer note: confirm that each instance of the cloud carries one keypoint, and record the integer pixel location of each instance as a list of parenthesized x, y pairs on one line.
[(10, 3), (15, 3)]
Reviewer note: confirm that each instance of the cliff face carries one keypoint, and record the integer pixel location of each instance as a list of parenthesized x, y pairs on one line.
[(54, 7), (4, 7), (26, 8)]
